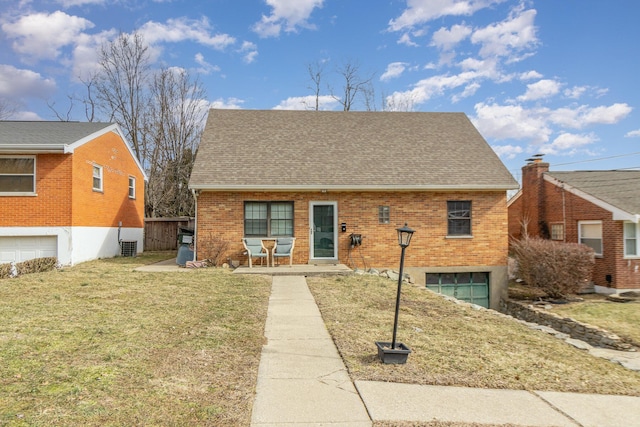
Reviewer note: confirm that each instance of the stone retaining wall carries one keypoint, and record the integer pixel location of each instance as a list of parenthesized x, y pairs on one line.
[(591, 334)]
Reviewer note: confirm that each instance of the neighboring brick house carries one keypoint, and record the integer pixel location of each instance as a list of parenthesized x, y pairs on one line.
[(322, 176), (68, 189), (598, 208)]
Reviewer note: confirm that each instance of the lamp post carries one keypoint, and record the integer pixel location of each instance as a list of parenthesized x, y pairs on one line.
[(404, 238), (392, 352)]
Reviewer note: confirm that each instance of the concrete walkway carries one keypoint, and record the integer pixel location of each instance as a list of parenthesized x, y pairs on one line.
[(302, 381)]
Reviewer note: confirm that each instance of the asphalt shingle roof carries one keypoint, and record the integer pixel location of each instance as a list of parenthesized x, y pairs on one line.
[(619, 188), (276, 149), (17, 134)]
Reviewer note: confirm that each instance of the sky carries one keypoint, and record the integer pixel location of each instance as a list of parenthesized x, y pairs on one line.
[(553, 77)]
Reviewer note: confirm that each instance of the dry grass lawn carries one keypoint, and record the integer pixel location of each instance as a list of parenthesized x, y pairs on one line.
[(623, 319), (453, 344), (102, 345)]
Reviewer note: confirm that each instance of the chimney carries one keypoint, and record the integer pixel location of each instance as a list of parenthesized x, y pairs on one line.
[(533, 196)]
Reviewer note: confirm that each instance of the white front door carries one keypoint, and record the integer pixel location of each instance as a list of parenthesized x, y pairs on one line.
[(323, 230)]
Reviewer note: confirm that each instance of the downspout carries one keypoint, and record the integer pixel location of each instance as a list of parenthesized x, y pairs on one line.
[(195, 224), (564, 217)]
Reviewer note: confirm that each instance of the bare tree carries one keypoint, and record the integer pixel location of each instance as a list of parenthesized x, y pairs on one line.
[(7, 108), (176, 119), (316, 74), (121, 85), (353, 84)]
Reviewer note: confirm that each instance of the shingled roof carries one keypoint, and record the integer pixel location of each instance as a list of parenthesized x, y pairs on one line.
[(43, 137), (617, 188), (313, 150)]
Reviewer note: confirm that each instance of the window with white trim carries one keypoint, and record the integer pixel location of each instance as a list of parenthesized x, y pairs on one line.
[(17, 175), (97, 178), (132, 187), (557, 231), (631, 239), (590, 234)]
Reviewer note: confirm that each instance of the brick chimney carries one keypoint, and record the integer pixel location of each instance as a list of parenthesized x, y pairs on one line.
[(533, 197)]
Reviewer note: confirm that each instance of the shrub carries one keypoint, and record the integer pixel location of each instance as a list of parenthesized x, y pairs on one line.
[(36, 265), (5, 271), (213, 248), (559, 269)]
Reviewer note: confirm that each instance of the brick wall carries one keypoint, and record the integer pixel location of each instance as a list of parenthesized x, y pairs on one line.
[(112, 205), (64, 195), (220, 215), (52, 204), (544, 204)]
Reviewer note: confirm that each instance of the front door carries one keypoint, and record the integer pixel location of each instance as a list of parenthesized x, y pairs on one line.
[(323, 230)]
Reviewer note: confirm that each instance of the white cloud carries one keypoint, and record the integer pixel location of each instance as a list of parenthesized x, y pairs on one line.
[(568, 143), (422, 11), (18, 83), (582, 116), (394, 70), (227, 104), (515, 34), (575, 92), (325, 102), (406, 40), (468, 91), (446, 39), (181, 29), (42, 35), (250, 51), (507, 151), (512, 122), (539, 90), (287, 15), (70, 3), (530, 75), (205, 67), (633, 134)]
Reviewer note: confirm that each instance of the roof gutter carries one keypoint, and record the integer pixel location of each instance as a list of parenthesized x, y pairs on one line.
[(372, 188), (35, 148)]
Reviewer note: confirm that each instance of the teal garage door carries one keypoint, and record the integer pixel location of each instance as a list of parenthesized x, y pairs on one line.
[(469, 287)]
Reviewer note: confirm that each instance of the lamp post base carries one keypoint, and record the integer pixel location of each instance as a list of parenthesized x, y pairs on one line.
[(388, 355)]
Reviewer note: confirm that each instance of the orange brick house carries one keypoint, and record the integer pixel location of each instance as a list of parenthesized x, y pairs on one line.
[(68, 189), (598, 208), (323, 176)]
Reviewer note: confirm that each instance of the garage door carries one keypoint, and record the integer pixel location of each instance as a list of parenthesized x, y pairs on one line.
[(469, 287), (18, 249)]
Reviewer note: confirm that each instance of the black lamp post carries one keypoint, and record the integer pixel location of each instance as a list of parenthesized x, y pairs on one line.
[(404, 238), (392, 352)]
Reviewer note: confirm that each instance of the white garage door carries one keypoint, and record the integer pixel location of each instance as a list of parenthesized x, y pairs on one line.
[(22, 248)]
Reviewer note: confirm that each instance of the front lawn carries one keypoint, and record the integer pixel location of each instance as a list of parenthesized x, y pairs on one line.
[(453, 344), (623, 319), (102, 345)]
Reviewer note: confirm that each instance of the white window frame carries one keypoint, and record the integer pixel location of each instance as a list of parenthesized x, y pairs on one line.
[(580, 238), (100, 177), (22, 193), (132, 187), (627, 239)]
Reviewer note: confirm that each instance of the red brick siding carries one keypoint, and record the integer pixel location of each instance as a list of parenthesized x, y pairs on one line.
[(112, 205), (220, 214), (556, 205), (51, 206)]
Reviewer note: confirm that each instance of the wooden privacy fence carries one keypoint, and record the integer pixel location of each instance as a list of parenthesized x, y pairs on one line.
[(161, 234)]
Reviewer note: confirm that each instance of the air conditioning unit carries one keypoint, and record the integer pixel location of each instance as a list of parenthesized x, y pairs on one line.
[(128, 248)]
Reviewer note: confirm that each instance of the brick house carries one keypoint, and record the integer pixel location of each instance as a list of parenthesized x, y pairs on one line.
[(598, 208), (323, 176), (68, 189)]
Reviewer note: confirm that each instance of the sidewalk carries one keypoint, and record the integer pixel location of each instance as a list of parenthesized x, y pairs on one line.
[(302, 381)]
